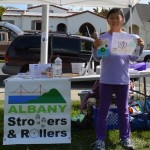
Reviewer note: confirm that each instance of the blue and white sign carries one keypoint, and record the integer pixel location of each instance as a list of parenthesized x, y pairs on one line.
[(37, 111)]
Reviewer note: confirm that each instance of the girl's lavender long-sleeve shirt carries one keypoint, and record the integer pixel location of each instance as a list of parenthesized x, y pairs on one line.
[(114, 67)]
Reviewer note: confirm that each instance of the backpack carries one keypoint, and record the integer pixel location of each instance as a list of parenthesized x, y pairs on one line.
[(148, 105), (140, 122)]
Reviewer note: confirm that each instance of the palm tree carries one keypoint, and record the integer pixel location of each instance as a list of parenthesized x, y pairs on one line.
[(103, 11), (96, 10), (2, 10)]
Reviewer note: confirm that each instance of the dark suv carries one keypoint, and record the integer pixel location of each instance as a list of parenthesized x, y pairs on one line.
[(25, 50)]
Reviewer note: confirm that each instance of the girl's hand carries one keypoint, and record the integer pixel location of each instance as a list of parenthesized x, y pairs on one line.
[(97, 43), (140, 42)]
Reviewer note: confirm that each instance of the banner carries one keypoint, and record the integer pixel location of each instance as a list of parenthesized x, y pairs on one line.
[(37, 111)]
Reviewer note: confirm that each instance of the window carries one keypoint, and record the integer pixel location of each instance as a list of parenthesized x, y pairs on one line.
[(11, 21), (51, 11), (36, 25), (66, 45), (2, 37), (135, 29), (60, 45), (86, 45), (27, 44), (61, 27)]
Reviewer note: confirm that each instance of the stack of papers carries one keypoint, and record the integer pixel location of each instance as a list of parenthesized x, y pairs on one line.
[(132, 71)]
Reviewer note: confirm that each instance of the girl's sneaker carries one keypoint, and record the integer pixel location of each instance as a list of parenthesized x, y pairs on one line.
[(98, 145), (127, 144)]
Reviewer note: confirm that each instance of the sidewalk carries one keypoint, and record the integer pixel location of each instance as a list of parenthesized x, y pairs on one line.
[(2, 93), (74, 94)]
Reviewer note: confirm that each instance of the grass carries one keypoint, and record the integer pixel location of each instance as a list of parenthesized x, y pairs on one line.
[(2, 60), (81, 138)]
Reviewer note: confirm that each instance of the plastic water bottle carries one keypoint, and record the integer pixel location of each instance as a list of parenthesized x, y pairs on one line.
[(58, 66)]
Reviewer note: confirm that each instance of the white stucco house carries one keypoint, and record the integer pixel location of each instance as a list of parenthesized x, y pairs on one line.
[(83, 22), (60, 20), (140, 22)]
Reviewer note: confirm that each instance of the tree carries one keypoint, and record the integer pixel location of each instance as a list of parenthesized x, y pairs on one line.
[(96, 10), (2, 10), (102, 13)]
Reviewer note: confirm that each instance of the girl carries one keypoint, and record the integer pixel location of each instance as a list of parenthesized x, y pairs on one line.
[(114, 79)]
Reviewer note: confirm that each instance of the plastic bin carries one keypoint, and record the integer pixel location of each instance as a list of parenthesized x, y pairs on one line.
[(82, 94), (76, 67), (112, 120)]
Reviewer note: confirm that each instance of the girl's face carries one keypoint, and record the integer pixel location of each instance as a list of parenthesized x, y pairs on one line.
[(115, 22)]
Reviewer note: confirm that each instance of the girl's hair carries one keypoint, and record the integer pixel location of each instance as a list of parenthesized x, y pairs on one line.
[(115, 10)]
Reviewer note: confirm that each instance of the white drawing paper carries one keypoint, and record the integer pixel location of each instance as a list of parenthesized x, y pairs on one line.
[(125, 44)]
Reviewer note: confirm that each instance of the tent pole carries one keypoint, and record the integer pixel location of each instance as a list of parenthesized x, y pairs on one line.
[(44, 34), (130, 7)]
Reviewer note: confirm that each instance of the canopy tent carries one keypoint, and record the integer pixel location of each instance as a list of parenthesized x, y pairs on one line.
[(93, 3), (45, 12)]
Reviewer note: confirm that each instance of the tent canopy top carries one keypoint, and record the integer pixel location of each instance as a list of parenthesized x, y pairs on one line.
[(90, 3)]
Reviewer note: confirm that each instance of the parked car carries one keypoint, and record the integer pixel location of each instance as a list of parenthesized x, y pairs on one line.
[(25, 50), (8, 32), (144, 57)]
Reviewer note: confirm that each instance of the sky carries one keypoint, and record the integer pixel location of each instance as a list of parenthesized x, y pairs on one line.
[(68, 7)]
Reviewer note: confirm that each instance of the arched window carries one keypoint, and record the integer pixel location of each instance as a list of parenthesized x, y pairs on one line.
[(135, 29), (85, 28), (61, 28)]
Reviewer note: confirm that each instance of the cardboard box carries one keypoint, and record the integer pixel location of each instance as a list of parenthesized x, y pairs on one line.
[(39, 70)]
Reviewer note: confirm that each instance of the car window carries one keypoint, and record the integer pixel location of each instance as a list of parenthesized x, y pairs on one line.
[(66, 45), (86, 45), (60, 45), (25, 45), (26, 42)]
